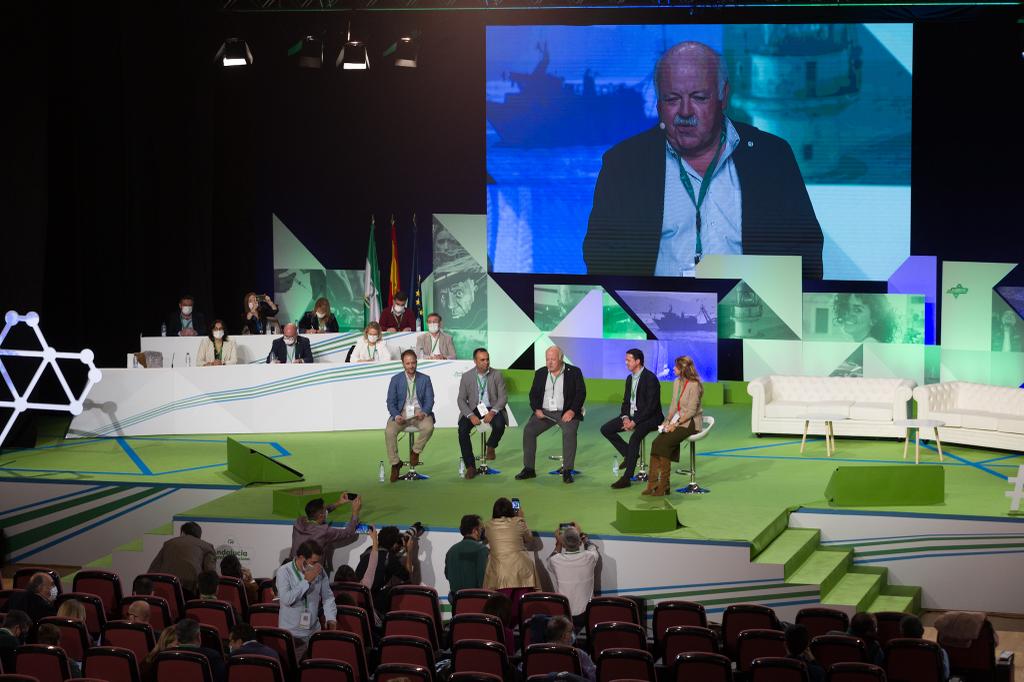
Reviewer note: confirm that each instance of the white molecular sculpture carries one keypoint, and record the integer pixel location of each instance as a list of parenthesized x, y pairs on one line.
[(1017, 493), (49, 356)]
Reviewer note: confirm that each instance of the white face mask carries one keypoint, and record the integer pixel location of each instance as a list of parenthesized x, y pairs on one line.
[(53, 593), (252, 305), (399, 309), (433, 327), (372, 338), (320, 315), (186, 310), (218, 333), (289, 340)]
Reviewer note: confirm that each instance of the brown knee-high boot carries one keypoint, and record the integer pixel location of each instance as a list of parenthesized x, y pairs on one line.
[(664, 471), (652, 475)]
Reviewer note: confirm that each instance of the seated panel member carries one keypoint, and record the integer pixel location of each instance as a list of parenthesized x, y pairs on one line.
[(290, 348), (257, 310), (640, 413), (684, 419), (399, 318), (319, 320), (482, 398), (435, 344), (186, 322), (557, 398), (370, 347), (217, 348), (410, 402)]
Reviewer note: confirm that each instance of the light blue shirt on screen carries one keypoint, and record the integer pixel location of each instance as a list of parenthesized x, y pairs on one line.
[(721, 212)]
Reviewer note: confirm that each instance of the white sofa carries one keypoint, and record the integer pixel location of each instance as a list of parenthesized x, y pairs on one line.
[(871, 405), (975, 414)]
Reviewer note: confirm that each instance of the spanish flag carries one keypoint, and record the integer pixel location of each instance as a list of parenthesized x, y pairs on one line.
[(393, 279)]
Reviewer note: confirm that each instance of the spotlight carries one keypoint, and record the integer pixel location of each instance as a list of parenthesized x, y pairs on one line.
[(234, 52), (353, 55), (310, 52), (406, 51)]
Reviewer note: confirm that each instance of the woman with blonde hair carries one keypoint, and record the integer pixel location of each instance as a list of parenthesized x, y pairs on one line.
[(257, 310), (684, 419), (371, 346), (319, 320), (167, 640)]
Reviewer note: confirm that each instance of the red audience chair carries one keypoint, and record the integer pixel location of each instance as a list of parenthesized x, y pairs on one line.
[(681, 639), (407, 650), (831, 649), (475, 677), (324, 670), (740, 617), (159, 610), (888, 625), (410, 624), (386, 672), (267, 590), (210, 638), (232, 591), (526, 631), (45, 663), (778, 670), (476, 626), (360, 594), (547, 603), (219, 614), (821, 621), (282, 642), (609, 610), (753, 644), (702, 666), (355, 619), (138, 638), (624, 664), (855, 672), (249, 668), (22, 576), (95, 612), (74, 639), (977, 661), (616, 636), (470, 601), (5, 596), (543, 659), (111, 663), (178, 665), (419, 598), (477, 656), (912, 660), (264, 615), (169, 587), (104, 584), (340, 646), (14, 677), (671, 613)]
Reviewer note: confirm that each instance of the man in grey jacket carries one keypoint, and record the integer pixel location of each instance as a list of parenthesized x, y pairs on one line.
[(482, 400)]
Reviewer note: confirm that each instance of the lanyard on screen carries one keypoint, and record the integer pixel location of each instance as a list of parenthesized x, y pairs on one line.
[(705, 183)]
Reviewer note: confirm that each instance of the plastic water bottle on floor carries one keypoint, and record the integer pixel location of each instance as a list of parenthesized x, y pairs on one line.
[(163, 329), (615, 466), (462, 468), (380, 472)]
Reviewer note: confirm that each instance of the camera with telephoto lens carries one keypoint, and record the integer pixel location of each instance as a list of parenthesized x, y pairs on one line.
[(414, 531)]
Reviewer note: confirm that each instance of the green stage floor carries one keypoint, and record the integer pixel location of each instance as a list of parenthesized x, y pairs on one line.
[(753, 481)]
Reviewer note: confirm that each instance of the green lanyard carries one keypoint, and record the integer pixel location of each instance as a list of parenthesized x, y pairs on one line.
[(410, 390), (636, 383), (217, 351), (433, 343), (481, 383), (704, 185), (373, 351), (305, 597), (554, 381)]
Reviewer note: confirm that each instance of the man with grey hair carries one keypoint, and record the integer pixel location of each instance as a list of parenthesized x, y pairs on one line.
[(290, 348), (556, 398), (699, 183), (38, 598), (572, 566)]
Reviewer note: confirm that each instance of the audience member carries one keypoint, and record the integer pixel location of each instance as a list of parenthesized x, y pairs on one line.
[(370, 347), (410, 402), (435, 344), (142, 586), (242, 640), (186, 322), (316, 526), (798, 639), (500, 606), (72, 608), (319, 320), (187, 636), (37, 599), (166, 640), (911, 627), (510, 568), (348, 574), (290, 349), (559, 630), (49, 634), (398, 318), (396, 563), (257, 310), (482, 398), (13, 634), (138, 612), (207, 584), (572, 565), (217, 349), (466, 561), (865, 626), (186, 556), (302, 588), (231, 567)]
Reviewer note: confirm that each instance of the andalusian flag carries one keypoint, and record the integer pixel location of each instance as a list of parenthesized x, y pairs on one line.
[(394, 281), (371, 281), (415, 281)]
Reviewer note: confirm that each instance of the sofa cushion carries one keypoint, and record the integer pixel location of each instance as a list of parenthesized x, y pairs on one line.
[(951, 418), (871, 411), (1011, 424), (980, 419), (785, 409)]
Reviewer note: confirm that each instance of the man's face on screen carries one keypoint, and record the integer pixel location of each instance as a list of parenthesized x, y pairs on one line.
[(688, 101)]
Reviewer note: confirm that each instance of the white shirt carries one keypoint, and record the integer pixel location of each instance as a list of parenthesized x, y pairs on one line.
[(363, 351), (556, 391), (634, 387), (721, 212), (572, 574)]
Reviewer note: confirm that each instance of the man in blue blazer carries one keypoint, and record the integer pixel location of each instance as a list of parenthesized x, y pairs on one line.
[(290, 348), (410, 403)]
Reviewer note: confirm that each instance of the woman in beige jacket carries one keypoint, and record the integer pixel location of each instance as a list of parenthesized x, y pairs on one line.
[(217, 348), (510, 567), (684, 419)]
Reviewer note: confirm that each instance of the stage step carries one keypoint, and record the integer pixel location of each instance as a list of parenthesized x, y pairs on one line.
[(823, 567), (903, 598), (857, 588), (790, 549)]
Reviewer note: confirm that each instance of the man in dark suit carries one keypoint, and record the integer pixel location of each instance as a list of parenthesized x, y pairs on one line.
[(38, 598), (187, 322), (242, 640), (290, 348), (12, 635), (187, 631), (186, 556), (640, 413), (557, 398), (644, 223)]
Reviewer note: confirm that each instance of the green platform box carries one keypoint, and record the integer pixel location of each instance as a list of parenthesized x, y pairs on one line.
[(886, 485), (654, 516), (291, 502)]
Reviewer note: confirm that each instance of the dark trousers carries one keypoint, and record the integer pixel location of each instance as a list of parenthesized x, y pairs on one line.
[(631, 451), (466, 443)]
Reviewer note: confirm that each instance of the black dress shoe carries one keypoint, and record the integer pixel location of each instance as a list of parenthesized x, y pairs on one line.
[(621, 483), (525, 474), (567, 476)]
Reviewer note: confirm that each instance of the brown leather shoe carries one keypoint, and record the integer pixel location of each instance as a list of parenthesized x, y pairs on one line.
[(470, 471), (395, 470), (623, 482), (414, 459), (490, 452)]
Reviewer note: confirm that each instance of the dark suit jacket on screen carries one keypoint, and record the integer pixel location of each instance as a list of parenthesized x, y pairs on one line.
[(648, 398), (624, 232), (279, 350), (574, 390)]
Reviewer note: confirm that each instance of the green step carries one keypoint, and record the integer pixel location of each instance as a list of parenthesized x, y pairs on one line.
[(858, 588), (823, 567), (905, 598), (791, 548)]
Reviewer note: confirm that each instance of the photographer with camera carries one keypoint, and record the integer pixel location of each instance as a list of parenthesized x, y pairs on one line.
[(510, 568), (316, 526), (572, 566), (397, 562)]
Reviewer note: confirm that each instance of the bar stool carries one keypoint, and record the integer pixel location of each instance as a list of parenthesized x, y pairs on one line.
[(482, 468), (641, 467), (693, 488), (411, 474), (558, 458)]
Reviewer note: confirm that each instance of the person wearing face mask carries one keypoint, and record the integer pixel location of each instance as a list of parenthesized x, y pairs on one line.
[(398, 318), (186, 322), (290, 348), (435, 344), (217, 349), (38, 598), (302, 587), (12, 635), (371, 346), (319, 320), (257, 310)]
